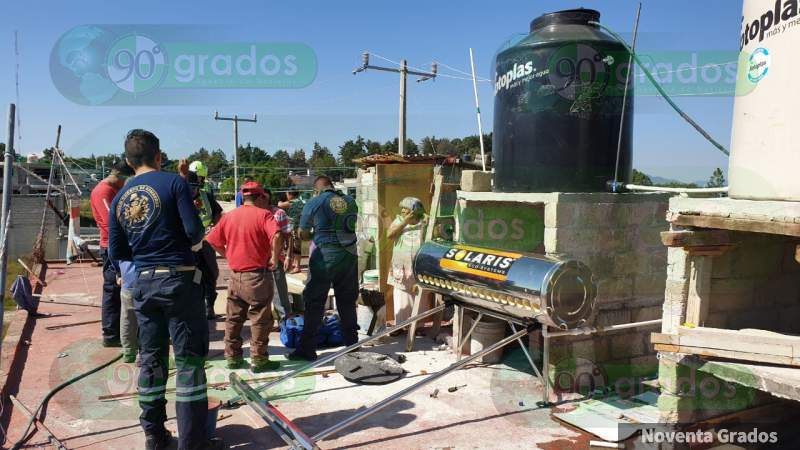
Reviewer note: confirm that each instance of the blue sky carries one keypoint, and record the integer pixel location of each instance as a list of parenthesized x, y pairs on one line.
[(338, 105)]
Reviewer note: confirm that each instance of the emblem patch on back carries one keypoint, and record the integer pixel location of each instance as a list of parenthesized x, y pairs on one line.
[(138, 207), (338, 204)]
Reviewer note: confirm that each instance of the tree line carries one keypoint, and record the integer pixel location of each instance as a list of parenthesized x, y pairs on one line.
[(274, 169)]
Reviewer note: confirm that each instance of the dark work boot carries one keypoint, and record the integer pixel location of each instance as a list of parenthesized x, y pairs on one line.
[(160, 441), (262, 364), (234, 363)]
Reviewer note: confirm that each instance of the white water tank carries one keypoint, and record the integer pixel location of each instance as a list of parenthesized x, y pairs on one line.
[(765, 143)]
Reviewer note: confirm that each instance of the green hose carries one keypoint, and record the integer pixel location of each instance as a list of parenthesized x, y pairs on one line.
[(53, 392), (661, 90)]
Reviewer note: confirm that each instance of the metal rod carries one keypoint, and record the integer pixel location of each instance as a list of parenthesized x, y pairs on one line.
[(477, 108), (410, 72), (388, 401), (469, 334), (235, 153), (460, 337), (625, 93), (8, 173), (68, 325), (545, 364), (526, 352), (401, 132), (341, 352), (288, 431), (53, 439), (598, 329)]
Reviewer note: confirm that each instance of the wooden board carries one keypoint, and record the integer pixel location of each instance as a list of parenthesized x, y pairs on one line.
[(695, 238), (727, 354), (697, 304), (395, 182), (736, 224), (747, 345)]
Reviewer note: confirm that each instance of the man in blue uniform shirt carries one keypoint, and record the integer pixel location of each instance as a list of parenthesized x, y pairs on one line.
[(330, 219), (153, 223)]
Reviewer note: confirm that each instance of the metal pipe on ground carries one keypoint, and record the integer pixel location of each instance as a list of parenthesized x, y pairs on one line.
[(53, 439), (388, 401), (341, 352), (598, 329)]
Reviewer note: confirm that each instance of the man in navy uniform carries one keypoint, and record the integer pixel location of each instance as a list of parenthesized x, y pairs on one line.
[(330, 220), (153, 222)]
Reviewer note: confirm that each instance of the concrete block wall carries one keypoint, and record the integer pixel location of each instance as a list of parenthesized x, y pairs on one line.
[(368, 210), (755, 284), (26, 220), (618, 237)]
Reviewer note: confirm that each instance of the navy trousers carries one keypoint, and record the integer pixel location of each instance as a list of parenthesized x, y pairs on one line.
[(207, 262), (110, 306), (170, 306), (337, 266)]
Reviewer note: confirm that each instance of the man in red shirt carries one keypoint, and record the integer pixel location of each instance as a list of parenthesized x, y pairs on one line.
[(101, 198), (249, 238)]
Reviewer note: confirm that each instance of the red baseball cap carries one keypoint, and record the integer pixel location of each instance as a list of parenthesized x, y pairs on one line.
[(252, 188)]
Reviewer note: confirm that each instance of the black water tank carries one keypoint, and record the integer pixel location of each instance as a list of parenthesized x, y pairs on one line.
[(558, 105)]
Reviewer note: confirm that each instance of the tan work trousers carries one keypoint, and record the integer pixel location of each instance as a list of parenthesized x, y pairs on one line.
[(249, 297)]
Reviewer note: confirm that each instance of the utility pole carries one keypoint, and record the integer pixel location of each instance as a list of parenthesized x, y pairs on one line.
[(404, 72), (235, 119), (8, 173)]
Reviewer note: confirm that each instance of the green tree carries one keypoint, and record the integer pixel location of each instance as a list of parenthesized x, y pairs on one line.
[(717, 179), (352, 149), (217, 162), (322, 160), (281, 158), (298, 159), (349, 151), (373, 147), (641, 178)]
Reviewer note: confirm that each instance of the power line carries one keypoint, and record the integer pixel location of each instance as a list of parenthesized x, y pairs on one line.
[(403, 71), (444, 75)]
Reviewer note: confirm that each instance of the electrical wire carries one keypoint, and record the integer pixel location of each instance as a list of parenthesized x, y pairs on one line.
[(54, 391), (661, 91), (443, 75), (462, 72)]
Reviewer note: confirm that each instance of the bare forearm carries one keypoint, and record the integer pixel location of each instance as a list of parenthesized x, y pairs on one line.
[(395, 230), (277, 246)]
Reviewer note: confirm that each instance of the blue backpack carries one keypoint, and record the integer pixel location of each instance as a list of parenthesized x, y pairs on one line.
[(330, 333)]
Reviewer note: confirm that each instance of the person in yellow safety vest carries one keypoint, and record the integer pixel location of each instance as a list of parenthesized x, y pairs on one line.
[(210, 213)]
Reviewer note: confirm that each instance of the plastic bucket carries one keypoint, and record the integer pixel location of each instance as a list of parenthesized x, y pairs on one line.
[(214, 404), (487, 333)]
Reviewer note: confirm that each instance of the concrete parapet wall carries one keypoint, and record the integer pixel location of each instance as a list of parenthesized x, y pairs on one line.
[(618, 237)]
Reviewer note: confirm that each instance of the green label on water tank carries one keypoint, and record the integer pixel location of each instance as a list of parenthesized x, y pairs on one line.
[(501, 225)]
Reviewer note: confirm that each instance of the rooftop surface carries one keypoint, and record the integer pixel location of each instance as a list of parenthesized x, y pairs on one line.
[(493, 407)]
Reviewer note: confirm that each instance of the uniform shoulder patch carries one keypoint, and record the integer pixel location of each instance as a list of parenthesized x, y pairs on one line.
[(338, 204)]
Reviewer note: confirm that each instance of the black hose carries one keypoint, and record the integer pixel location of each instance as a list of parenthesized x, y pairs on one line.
[(53, 392)]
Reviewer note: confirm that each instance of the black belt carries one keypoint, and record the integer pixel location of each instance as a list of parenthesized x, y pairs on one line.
[(161, 270), (262, 269)]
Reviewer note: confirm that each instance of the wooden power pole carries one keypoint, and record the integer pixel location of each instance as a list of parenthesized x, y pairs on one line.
[(403, 71)]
